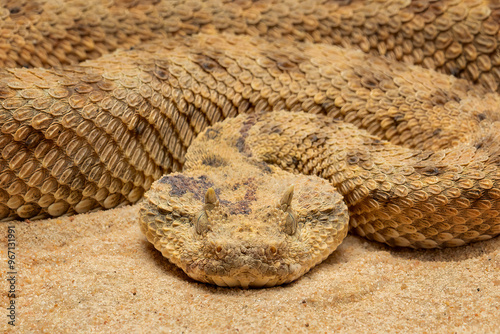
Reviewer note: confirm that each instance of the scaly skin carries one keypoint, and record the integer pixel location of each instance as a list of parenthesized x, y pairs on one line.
[(252, 232), (245, 232), (97, 135), (451, 36)]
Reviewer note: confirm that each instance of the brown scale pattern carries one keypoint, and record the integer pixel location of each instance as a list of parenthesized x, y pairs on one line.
[(391, 194), (97, 135), (458, 37), (399, 196)]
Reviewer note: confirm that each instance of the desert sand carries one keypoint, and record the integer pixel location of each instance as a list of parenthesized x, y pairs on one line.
[(97, 273)]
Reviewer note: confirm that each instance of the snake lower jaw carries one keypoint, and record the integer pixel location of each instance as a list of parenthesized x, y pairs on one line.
[(249, 277), (244, 280)]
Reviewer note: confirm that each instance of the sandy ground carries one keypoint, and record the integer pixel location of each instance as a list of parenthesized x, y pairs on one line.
[(97, 273)]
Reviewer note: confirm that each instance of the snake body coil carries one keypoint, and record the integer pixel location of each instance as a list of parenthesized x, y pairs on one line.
[(93, 134)]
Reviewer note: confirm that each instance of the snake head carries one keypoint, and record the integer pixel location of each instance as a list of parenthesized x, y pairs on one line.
[(255, 232)]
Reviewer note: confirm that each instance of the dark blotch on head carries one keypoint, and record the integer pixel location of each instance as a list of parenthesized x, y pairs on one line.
[(243, 207), (182, 184), (251, 189), (481, 117), (240, 208), (214, 161)]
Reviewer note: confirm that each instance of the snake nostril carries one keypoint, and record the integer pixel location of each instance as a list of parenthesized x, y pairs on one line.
[(273, 250), (218, 249)]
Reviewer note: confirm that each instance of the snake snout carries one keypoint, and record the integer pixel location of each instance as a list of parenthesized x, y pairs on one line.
[(250, 265), (246, 280), (252, 275)]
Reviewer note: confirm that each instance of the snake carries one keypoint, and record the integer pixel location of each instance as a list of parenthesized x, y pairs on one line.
[(260, 132), (262, 198)]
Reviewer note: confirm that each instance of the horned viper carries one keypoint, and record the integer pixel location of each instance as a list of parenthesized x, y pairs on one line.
[(84, 129)]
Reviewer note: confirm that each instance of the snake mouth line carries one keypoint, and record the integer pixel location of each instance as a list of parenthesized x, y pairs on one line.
[(247, 277), (245, 280)]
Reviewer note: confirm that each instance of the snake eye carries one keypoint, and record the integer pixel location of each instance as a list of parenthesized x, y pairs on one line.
[(286, 205), (201, 223), (211, 201)]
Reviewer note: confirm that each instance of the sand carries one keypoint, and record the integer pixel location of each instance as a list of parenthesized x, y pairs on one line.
[(97, 273)]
